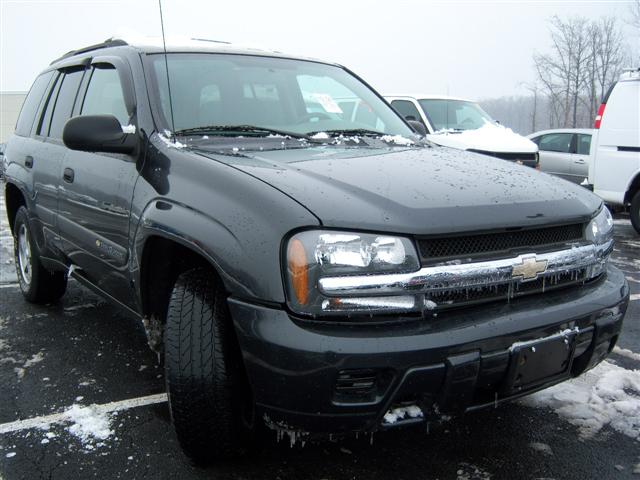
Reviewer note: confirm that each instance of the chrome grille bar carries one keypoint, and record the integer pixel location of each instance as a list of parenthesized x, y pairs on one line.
[(471, 275)]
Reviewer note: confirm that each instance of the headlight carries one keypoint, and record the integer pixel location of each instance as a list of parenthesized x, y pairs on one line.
[(600, 232), (600, 229), (313, 254)]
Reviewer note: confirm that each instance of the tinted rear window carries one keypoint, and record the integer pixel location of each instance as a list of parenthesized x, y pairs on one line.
[(31, 104)]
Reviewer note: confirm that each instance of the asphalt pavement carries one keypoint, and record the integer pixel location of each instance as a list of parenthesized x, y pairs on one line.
[(81, 396)]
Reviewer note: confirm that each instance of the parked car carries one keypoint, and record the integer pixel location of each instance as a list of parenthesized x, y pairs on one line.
[(295, 267), (463, 124), (615, 175), (565, 152)]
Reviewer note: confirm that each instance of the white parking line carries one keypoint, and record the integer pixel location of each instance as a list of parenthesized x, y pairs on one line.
[(9, 285), (45, 421), (634, 296)]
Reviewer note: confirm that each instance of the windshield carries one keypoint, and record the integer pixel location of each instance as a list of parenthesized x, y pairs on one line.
[(456, 115), (272, 95)]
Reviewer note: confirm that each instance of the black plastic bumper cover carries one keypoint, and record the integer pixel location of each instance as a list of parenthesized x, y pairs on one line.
[(323, 377)]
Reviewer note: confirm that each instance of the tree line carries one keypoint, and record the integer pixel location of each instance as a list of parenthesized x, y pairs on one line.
[(585, 59)]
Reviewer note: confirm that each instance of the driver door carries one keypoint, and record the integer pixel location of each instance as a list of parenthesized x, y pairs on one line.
[(97, 188)]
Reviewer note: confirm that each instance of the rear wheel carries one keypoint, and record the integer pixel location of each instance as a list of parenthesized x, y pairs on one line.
[(635, 211), (38, 284), (211, 405)]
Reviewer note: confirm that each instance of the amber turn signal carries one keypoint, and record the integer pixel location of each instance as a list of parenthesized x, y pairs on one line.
[(298, 271)]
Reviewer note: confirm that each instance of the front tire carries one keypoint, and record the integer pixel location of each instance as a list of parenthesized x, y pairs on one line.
[(635, 211), (38, 284), (206, 384)]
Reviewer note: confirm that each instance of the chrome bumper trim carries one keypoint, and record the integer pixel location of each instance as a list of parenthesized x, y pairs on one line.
[(469, 275)]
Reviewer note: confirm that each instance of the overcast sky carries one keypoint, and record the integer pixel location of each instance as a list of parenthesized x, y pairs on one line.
[(476, 49)]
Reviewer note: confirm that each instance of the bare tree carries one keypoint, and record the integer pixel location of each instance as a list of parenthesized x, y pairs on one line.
[(585, 59), (610, 55), (634, 10)]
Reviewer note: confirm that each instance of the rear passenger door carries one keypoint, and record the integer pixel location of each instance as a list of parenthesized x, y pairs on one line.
[(555, 154), (22, 153), (97, 188)]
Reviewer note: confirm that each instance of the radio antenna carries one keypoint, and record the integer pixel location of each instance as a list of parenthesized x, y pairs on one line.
[(166, 66)]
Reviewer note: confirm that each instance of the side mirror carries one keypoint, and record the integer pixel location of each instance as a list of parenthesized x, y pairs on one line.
[(418, 127), (97, 133)]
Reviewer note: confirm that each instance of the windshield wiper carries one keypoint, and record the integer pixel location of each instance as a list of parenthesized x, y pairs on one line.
[(251, 129), (357, 132)]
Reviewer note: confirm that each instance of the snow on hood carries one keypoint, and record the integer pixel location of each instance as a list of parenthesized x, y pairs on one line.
[(490, 137)]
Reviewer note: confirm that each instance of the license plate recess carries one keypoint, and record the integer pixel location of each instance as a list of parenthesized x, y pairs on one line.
[(540, 361)]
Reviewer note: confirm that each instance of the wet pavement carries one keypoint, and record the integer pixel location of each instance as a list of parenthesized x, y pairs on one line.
[(83, 351)]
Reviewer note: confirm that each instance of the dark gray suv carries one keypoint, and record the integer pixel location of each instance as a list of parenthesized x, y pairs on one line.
[(299, 257)]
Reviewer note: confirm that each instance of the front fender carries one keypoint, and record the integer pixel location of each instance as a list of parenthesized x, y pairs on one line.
[(195, 230)]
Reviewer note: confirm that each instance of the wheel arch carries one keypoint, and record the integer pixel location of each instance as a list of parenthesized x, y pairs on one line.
[(162, 259), (14, 199), (634, 186)]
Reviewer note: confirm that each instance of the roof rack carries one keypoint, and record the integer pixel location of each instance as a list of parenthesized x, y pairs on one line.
[(107, 43), (210, 40)]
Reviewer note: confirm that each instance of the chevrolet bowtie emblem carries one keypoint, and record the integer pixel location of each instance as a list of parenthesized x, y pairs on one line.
[(529, 269)]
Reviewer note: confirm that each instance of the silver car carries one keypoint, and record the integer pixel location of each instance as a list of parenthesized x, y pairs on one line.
[(565, 152)]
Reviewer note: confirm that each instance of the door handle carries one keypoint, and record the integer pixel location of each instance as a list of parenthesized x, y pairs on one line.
[(580, 161), (68, 175), (28, 161)]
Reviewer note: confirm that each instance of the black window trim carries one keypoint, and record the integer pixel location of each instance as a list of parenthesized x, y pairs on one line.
[(64, 72), (53, 89)]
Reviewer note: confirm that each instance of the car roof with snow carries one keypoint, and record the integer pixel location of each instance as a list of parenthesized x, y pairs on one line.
[(182, 45)]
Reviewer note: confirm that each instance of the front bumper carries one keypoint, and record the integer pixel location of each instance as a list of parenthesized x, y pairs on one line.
[(332, 378)]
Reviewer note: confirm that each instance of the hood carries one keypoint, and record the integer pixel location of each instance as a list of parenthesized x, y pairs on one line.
[(489, 138), (419, 190)]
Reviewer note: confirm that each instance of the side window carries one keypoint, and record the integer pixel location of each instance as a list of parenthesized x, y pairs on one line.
[(584, 144), (45, 120), (31, 104), (556, 142), (406, 109), (64, 102), (104, 95)]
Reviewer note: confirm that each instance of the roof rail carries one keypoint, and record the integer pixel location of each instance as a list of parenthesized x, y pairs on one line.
[(210, 40), (110, 42)]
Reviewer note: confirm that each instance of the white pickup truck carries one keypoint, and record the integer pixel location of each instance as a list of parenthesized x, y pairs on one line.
[(615, 171)]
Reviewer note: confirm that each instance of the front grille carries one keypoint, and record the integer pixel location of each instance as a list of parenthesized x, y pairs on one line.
[(506, 291), (497, 244)]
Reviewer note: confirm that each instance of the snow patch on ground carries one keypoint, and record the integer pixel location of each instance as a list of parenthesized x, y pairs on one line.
[(607, 395), (624, 352), (88, 424), (467, 471), (541, 447)]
